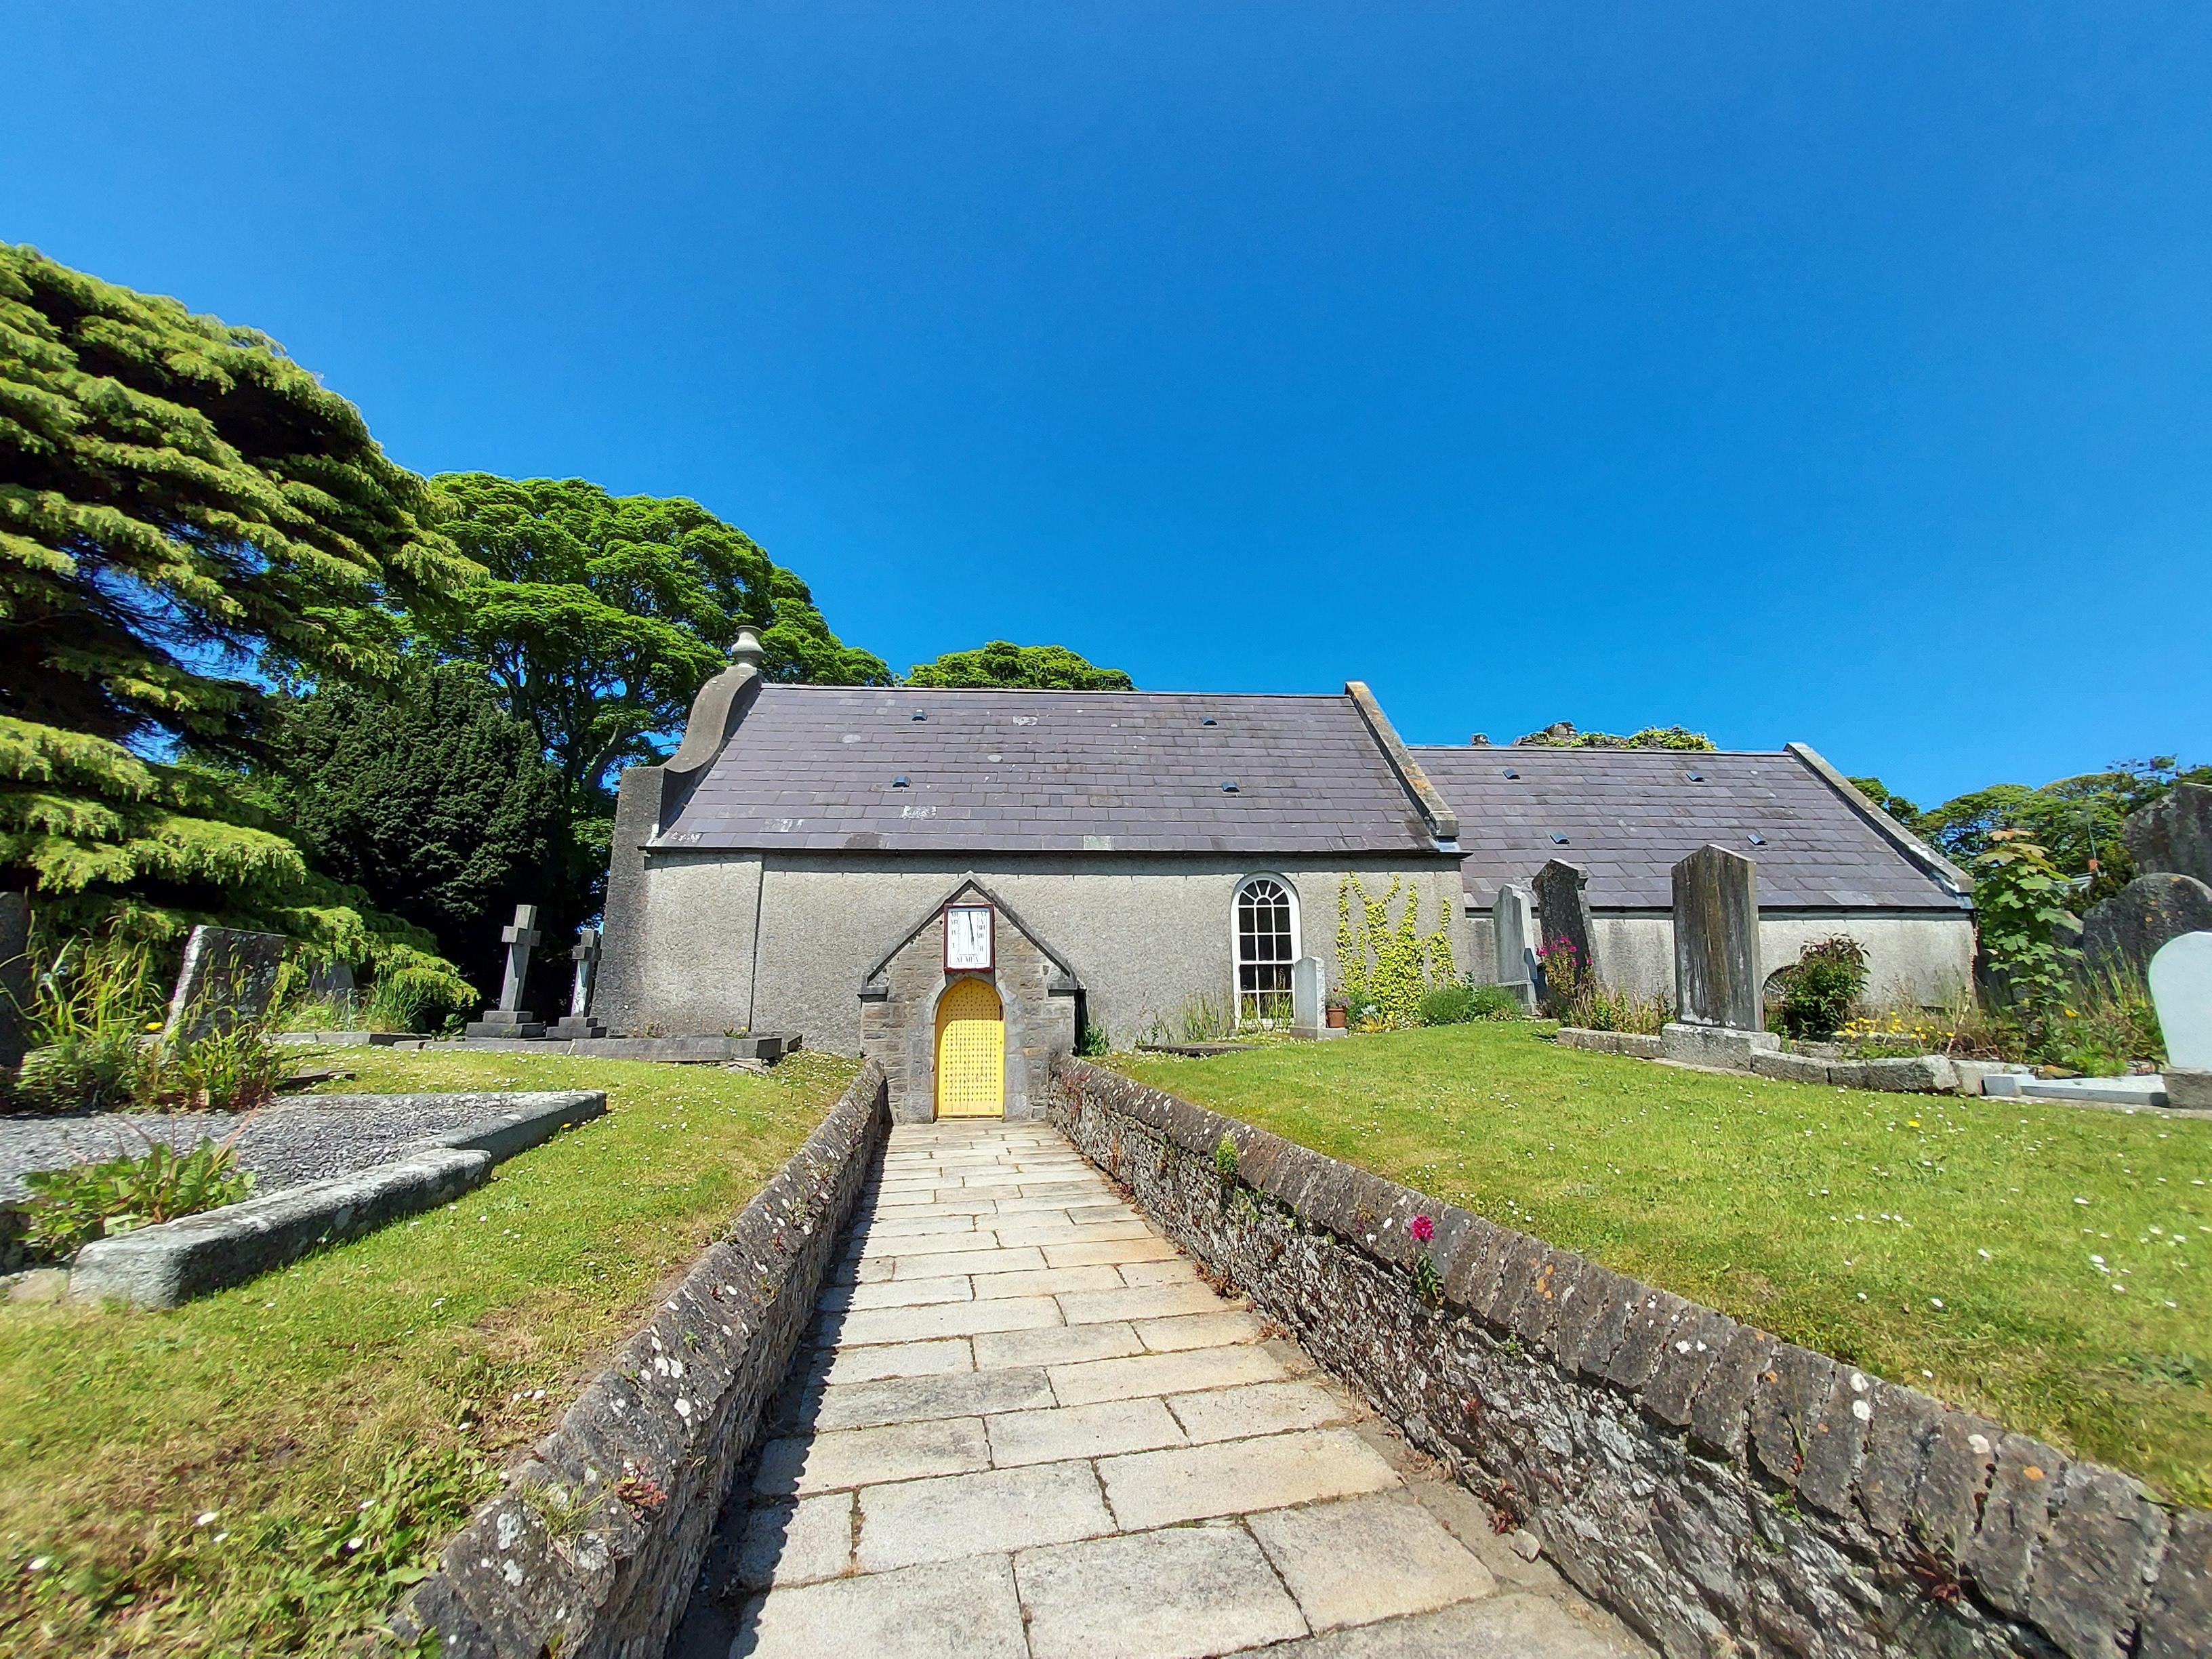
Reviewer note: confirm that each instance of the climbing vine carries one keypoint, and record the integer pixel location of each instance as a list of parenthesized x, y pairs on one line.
[(1387, 966)]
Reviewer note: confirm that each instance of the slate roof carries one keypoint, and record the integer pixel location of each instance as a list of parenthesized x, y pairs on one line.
[(1631, 815), (812, 767)]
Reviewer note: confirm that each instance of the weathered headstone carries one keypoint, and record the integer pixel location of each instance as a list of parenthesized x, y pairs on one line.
[(1718, 978), (1514, 927), (2173, 835), (2124, 933), (579, 1022), (1308, 997), (1563, 907), (227, 978), (14, 976), (510, 1018), (2181, 988)]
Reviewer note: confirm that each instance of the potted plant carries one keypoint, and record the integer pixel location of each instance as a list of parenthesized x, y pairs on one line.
[(1334, 1011)]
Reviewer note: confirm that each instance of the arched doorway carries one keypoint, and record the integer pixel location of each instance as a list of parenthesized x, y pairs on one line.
[(971, 1051)]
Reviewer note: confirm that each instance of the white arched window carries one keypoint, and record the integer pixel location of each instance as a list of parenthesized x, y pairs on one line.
[(1266, 946)]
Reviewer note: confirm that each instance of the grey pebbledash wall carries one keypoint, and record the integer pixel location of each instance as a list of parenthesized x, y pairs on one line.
[(1724, 1492), (645, 1457)]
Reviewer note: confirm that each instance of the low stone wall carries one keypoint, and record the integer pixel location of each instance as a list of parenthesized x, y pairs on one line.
[(1724, 1492), (594, 1546), (1632, 1043)]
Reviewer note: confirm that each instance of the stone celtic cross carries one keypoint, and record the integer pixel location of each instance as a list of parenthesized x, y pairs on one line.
[(519, 936)]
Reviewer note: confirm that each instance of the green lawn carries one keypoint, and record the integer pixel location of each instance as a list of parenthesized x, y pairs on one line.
[(2048, 1265), (261, 1471)]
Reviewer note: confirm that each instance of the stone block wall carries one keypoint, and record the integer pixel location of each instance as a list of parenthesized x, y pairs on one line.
[(646, 1456), (1725, 1493)]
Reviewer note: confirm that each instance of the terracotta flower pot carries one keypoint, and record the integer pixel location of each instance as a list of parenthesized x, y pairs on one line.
[(1336, 1016)]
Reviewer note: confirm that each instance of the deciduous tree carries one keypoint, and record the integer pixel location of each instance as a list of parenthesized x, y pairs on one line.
[(1025, 667)]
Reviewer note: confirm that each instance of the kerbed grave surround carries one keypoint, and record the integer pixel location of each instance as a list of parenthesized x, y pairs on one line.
[(1723, 1491), (646, 1456)]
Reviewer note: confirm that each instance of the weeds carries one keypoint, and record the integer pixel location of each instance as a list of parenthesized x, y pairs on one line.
[(69, 1208)]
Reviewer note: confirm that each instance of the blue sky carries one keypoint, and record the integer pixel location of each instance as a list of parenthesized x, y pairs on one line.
[(1837, 373)]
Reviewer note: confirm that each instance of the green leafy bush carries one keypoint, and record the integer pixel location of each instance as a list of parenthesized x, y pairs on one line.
[(90, 1007), (1457, 1004), (1595, 1008), (2020, 911), (69, 1208), (1387, 966), (1817, 995), (1093, 1041)]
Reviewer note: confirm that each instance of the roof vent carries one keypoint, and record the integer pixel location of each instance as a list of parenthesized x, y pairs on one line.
[(1756, 839), (1558, 840), (1209, 720), (899, 782), (919, 715), (1229, 786), (1511, 773), (1695, 777)]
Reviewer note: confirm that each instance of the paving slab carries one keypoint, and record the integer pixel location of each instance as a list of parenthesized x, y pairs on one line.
[(1083, 1383), (923, 1399), (1119, 1249), (1170, 1269), (1200, 1330), (895, 1293), (1520, 1626), (964, 1607), (797, 1543), (970, 1261), (1364, 1559), (1137, 1302), (1005, 1313), (1236, 1477), (905, 1360), (916, 1520), (1261, 1408), (1100, 1431), (1182, 1593), (1061, 1345), (1048, 1281), (854, 1457)]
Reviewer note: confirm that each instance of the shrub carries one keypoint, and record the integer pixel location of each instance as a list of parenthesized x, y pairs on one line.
[(1595, 1008), (69, 1208), (1815, 995), (90, 1008), (1093, 1041), (1457, 1004), (2020, 911), (1387, 966), (233, 1069)]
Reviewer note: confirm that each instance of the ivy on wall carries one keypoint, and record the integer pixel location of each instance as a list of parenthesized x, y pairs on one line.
[(1387, 966)]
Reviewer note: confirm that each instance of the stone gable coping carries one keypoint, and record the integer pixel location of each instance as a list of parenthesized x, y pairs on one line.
[(650, 1447), (1068, 984), (1436, 811), (1720, 1489)]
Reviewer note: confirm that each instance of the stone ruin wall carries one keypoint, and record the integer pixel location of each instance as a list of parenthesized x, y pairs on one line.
[(1725, 1493)]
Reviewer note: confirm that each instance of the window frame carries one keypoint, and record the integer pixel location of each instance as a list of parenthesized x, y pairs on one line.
[(1289, 890)]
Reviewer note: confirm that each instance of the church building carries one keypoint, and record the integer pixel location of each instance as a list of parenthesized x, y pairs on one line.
[(960, 882)]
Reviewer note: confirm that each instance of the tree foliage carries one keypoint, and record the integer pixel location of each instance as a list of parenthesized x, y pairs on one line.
[(2076, 820), (1020, 667), (599, 616), (1887, 799), (1562, 735), (186, 515), (431, 799)]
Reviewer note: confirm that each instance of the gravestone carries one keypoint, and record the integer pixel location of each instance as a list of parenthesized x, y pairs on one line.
[(579, 1022), (1513, 924), (2173, 835), (14, 976), (1718, 981), (1563, 907), (1309, 998), (2124, 933), (227, 978), (510, 1018), (2181, 988)]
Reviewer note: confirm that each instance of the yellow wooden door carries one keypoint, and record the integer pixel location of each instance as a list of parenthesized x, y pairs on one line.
[(971, 1052)]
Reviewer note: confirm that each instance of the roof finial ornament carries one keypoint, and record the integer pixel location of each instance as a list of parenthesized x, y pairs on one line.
[(745, 652)]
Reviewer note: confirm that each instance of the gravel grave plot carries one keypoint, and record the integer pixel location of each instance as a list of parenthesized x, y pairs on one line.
[(284, 1145)]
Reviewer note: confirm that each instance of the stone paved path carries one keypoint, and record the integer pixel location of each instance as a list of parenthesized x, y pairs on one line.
[(1025, 1426)]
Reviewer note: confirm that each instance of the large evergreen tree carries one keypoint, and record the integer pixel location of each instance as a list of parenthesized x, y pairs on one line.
[(1023, 667), (186, 516), (431, 799)]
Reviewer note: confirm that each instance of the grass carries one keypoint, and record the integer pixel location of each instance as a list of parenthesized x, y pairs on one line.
[(263, 1471), (2047, 1265)]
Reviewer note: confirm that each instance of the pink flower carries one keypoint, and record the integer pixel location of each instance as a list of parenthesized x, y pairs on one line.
[(1422, 1229)]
